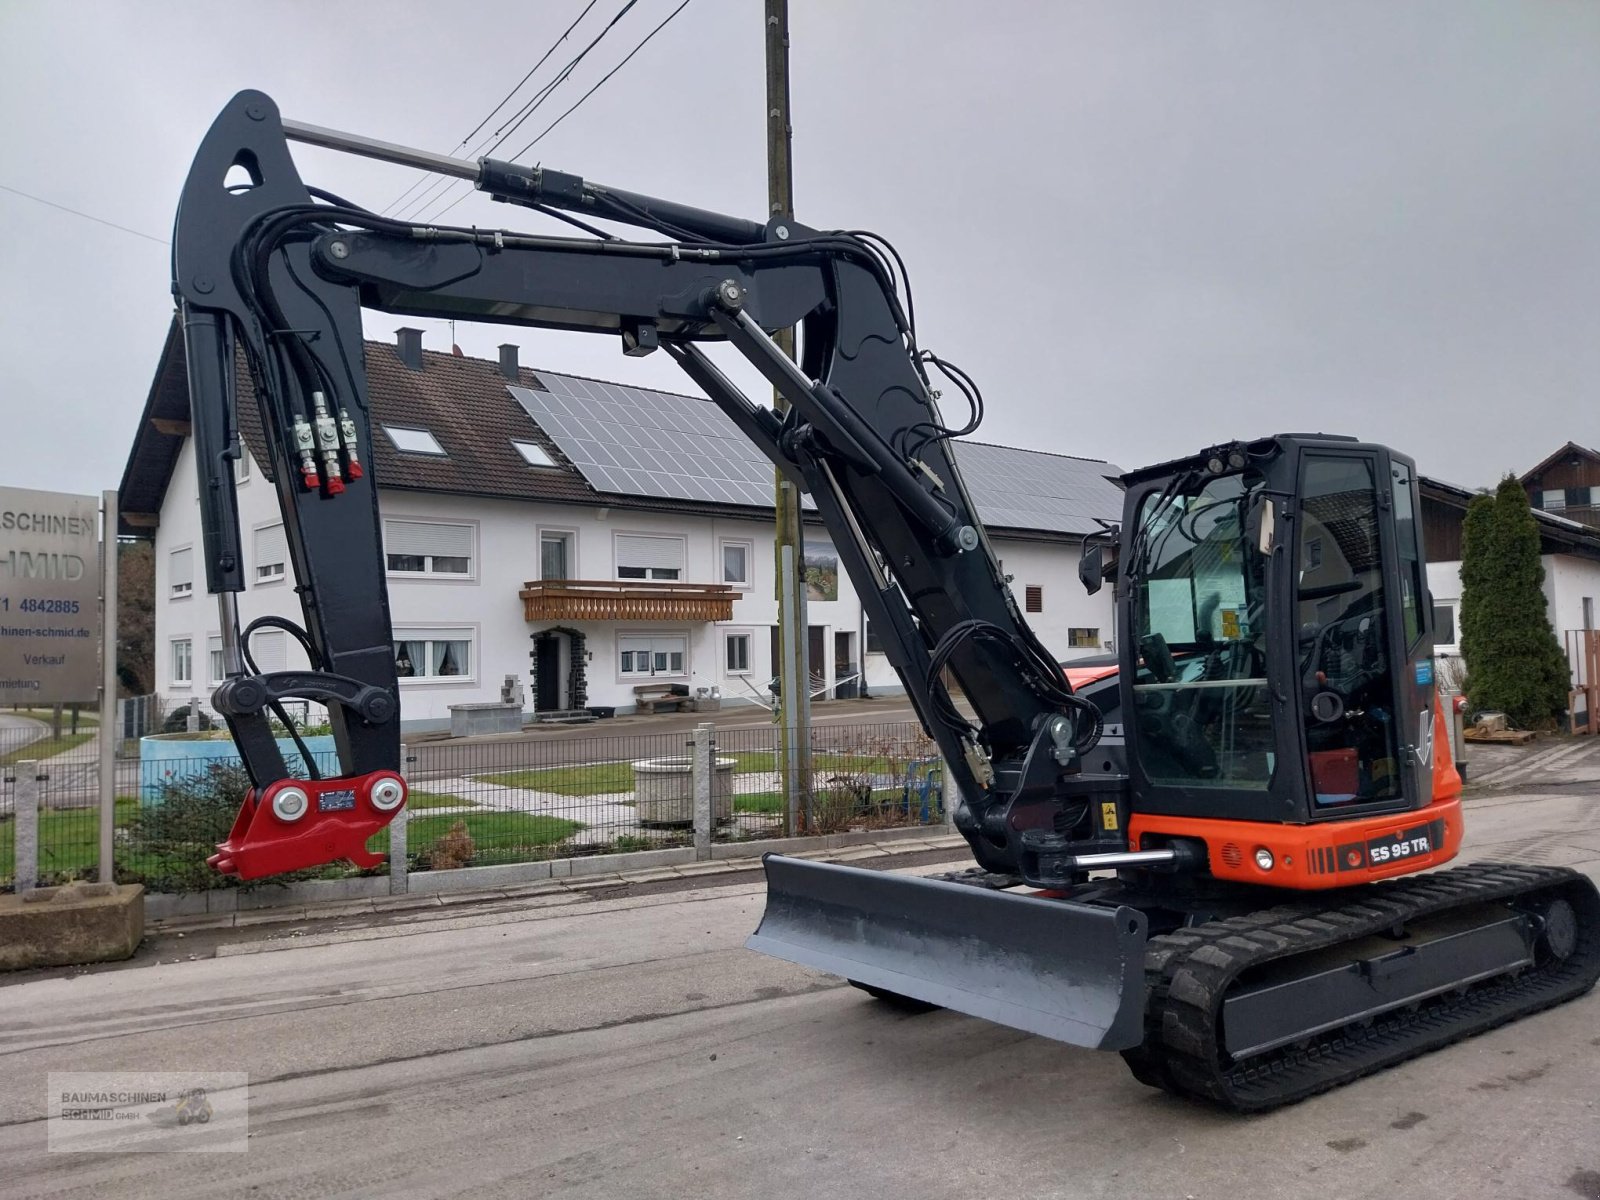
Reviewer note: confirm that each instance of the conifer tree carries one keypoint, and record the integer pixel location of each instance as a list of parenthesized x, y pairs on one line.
[(1514, 663)]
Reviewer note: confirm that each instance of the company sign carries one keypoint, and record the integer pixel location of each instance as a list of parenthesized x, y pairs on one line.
[(49, 597)]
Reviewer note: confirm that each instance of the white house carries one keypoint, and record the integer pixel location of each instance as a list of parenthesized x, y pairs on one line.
[(577, 536)]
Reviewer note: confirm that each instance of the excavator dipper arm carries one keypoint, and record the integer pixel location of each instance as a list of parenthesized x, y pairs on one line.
[(284, 271)]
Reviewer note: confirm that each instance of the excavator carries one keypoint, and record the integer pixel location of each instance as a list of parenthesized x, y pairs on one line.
[(1218, 859)]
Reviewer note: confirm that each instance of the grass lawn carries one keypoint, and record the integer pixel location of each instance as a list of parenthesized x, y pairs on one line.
[(47, 746), (69, 839), (416, 800), (585, 779), (496, 836), (596, 779)]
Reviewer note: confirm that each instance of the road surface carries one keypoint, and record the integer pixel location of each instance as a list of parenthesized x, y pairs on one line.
[(630, 1048)]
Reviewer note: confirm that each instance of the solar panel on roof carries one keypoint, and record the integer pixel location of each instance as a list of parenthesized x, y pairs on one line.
[(636, 442)]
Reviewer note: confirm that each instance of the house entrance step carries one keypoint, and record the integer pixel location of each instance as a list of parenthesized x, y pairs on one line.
[(576, 716)]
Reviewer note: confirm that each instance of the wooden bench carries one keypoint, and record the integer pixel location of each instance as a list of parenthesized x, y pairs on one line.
[(657, 697)]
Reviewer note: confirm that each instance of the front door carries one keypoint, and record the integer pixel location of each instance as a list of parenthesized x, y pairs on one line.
[(547, 670)]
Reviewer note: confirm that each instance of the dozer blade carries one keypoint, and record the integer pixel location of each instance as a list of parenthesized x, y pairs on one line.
[(1053, 967)]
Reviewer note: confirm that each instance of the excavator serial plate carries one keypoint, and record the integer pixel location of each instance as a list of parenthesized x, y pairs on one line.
[(1072, 972)]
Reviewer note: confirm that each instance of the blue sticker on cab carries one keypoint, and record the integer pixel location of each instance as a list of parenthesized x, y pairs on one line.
[(1425, 673)]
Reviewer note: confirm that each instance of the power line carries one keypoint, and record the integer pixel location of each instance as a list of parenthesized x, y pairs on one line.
[(532, 106), (542, 59), (149, 237), (603, 78), (529, 75), (645, 41)]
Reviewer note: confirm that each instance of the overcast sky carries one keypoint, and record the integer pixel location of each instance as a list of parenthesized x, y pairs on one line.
[(1143, 227)]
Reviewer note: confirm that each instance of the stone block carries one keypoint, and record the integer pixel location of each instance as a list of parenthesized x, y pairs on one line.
[(65, 926)]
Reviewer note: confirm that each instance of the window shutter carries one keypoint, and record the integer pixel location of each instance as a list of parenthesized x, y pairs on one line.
[(427, 537), (636, 551), (1033, 598), (270, 649), (272, 546), (182, 566)]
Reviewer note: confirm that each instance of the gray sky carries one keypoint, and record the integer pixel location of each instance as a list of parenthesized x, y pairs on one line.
[(1143, 227)]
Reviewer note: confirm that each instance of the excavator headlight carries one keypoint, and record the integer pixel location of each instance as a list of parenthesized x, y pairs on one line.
[(1236, 459), (1215, 465), (1264, 858)]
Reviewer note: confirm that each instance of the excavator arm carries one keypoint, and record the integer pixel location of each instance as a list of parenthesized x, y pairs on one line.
[(283, 270)]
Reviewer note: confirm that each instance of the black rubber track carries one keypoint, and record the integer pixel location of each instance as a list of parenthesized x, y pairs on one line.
[(1188, 974)]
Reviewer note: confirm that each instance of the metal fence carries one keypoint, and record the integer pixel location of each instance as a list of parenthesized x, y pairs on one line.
[(488, 803)]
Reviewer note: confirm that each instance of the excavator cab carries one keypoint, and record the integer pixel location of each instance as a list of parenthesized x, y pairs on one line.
[(1277, 659)]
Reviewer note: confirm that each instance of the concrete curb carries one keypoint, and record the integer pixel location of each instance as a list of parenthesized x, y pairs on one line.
[(324, 898)]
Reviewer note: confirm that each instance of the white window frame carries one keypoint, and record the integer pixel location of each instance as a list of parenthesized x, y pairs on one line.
[(427, 574), (256, 578), (216, 669), (440, 633), (571, 534), (188, 588), (533, 454), (391, 430), (728, 634), (653, 635), (1553, 499), (650, 572), (241, 467), (187, 680), (748, 583)]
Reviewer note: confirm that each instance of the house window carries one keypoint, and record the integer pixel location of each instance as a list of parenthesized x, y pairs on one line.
[(640, 557), (272, 552), (241, 465), (1444, 625), (413, 441), (555, 556), (1033, 598), (214, 646), (1083, 639), (534, 454), (738, 653), (874, 643), (180, 576), (433, 653), (182, 662), (1313, 554), (648, 656), (1553, 500), (736, 563), (428, 548)]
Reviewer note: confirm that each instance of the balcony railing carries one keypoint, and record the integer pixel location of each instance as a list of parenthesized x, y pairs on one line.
[(625, 600)]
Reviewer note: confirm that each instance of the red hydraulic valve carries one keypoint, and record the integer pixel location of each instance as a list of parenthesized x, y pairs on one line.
[(299, 823)]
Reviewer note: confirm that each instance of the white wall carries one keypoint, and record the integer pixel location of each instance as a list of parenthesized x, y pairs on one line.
[(1568, 580), (486, 604)]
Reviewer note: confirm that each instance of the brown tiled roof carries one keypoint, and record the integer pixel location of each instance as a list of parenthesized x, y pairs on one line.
[(462, 401)]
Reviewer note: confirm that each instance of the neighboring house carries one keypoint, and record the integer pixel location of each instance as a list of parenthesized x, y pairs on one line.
[(1567, 484), (586, 538), (1569, 551)]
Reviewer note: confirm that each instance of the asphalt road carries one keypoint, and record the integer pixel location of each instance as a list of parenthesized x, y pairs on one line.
[(631, 1048)]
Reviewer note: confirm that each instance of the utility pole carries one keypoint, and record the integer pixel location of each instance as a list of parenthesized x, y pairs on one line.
[(794, 672)]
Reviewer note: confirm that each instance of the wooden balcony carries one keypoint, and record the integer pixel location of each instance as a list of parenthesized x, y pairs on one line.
[(625, 600)]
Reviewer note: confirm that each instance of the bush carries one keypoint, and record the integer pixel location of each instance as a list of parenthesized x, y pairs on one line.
[(454, 849), (178, 722), (173, 837)]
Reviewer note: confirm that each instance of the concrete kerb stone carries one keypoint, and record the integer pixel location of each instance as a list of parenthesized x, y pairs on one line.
[(639, 860), (477, 879)]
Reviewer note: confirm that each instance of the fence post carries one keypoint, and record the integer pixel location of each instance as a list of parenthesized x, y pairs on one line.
[(702, 774), (27, 825), (399, 856)]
